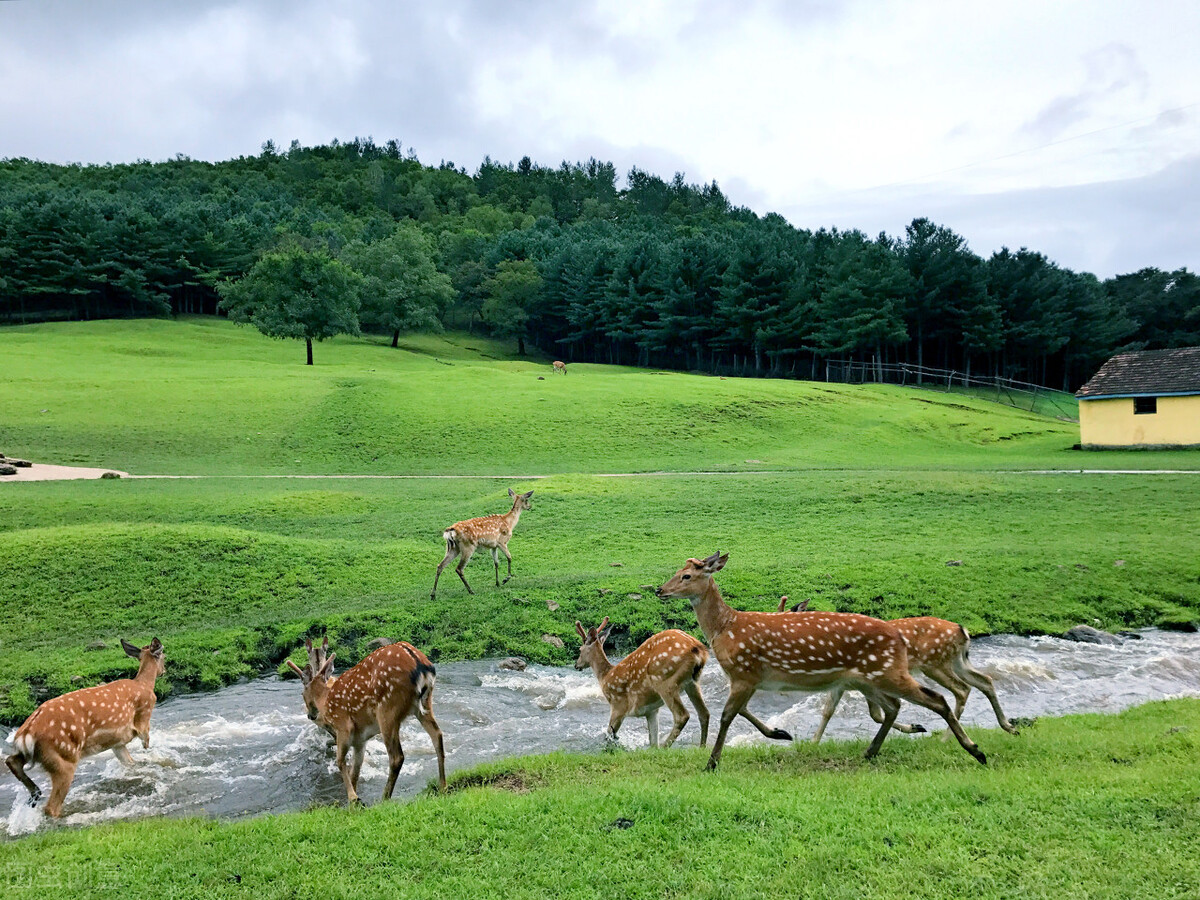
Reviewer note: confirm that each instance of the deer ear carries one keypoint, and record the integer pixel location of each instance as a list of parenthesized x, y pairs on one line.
[(308, 644), (528, 494), (131, 649), (719, 563), (512, 493), (156, 647)]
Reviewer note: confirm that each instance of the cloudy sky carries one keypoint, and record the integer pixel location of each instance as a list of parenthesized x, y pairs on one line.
[(1069, 127)]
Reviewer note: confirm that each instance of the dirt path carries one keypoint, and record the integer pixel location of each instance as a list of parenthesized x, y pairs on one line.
[(45, 472)]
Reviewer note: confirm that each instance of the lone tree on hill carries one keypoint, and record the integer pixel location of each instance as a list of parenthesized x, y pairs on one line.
[(296, 293), (402, 288)]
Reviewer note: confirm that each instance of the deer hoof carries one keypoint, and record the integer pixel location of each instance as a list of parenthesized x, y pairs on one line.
[(505, 581), (780, 735), (34, 798), (917, 728), (979, 756)]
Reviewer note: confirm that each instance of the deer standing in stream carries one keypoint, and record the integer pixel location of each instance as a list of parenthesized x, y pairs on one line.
[(82, 723), (493, 532), (653, 674), (372, 698), (804, 651)]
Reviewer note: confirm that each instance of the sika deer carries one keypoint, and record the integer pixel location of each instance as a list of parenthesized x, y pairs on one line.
[(650, 676), (493, 532), (560, 366), (372, 698), (809, 651), (938, 649), (82, 723)]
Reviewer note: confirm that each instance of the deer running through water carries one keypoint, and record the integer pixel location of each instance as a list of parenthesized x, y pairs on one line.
[(65, 729), (653, 674), (804, 651), (374, 697), (493, 532)]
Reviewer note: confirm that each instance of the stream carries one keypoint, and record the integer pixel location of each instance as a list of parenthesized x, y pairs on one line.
[(249, 749)]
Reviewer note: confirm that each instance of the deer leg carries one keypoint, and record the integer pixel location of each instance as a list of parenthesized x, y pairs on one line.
[(356, 765), (693, 692), (496, 564), (905, 687), (62, 773), (890, 711), (121, 752), (390, 731), (614, 725), (739, 696), (16, 765), (975, 678), (429, 723), (463, 559), (774, 734), (876, 707), (652, 727), (343, 744), (956, 686), (507, 556), (450, 554), (831, 704), (678, 712)]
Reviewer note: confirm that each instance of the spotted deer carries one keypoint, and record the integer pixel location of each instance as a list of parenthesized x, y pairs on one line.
[(65, 729), (372, 698), (560, 366), (650, 676), (939, 650), (493, 532), (807, 651)]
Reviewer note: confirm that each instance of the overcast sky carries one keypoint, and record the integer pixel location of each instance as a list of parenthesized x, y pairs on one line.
[(1072, 128)]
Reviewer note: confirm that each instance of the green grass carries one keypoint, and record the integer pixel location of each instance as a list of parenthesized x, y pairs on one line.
[(1080, 807), (202, 396), (231, 574)]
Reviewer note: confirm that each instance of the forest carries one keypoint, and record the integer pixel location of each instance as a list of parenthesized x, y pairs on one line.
[(656, 273)]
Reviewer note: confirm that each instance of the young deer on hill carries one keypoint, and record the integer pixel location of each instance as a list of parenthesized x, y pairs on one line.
[(371, 698), (82, 723), (493, 532), (650, 676), (808, 651), (938, 649), (560, 366)]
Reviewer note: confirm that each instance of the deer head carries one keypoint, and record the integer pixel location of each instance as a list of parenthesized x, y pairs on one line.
[(150, 657), (521, 501), (593, 643), (315, 676), (693, 580)]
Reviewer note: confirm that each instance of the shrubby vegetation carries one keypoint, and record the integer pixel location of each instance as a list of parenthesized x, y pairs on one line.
[(659, 273)]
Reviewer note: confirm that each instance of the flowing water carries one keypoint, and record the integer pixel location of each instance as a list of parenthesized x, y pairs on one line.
[(249, 749)]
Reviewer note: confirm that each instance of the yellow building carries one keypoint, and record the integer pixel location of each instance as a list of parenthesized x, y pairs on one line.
[(1148, 400)]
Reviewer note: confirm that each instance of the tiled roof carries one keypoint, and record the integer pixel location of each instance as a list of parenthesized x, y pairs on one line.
[(1147, 372)]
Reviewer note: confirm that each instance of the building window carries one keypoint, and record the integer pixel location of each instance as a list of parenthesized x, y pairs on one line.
[(1145, 406)]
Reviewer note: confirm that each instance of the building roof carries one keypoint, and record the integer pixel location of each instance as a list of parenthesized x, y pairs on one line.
[(1146, 373)]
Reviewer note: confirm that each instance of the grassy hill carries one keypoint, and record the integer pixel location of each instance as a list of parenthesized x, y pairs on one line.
[(202, 396)]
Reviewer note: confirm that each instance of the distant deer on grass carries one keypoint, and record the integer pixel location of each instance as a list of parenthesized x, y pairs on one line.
[(82, 723), (806, 651), (560, 366), (650, 676), (372, 698), (493, 532)]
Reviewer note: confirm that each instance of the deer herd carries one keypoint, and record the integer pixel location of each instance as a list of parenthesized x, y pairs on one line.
[(786, 650)]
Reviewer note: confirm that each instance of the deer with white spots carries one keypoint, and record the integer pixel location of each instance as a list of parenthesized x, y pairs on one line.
[(939, 650), (560, 366), (65, 729), (650, 676), (493, 532), (803, 651), (372, 698)]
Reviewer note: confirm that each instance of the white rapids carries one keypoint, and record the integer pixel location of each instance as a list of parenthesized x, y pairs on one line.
[(249, 749)]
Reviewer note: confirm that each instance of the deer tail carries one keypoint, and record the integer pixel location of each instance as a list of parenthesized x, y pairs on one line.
[(424, 675), (450, 536), (26, 746)]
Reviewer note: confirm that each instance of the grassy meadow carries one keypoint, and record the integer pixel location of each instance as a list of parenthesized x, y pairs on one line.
[(1078, 807), (881, 500)]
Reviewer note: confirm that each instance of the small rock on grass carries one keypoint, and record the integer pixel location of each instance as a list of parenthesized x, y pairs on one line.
[(553, 640), (110, 475), (616, 565), (512, 664), (6, 469), (96, 645), (551, 605), (954, 562), (634, 596), (603, 591), (21, 463)]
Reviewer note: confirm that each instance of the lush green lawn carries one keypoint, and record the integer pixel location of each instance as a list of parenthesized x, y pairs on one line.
[(204, 396), (1080, 807), (231, 573)]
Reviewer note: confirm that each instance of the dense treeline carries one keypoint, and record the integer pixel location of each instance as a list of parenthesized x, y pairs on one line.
[(655, 273)]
